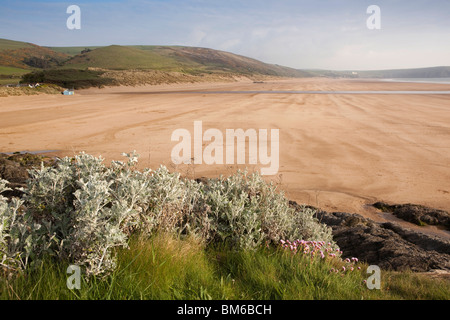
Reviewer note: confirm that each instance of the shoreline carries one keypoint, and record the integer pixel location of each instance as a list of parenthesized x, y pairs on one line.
[(407, 86)]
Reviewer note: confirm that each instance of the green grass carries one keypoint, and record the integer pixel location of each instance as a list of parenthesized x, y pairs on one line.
[(122, 58), (12, 71), (11, 75), (68, 78), (6, 44), (166, 268), (72, 51)]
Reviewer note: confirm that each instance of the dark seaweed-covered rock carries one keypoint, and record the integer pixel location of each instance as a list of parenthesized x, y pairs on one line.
[(387, 245), (417, 214)]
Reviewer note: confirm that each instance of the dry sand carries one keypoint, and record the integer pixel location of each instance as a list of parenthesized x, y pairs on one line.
[(338, 152)]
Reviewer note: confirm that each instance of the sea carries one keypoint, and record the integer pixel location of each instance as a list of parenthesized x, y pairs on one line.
[(420, 80)]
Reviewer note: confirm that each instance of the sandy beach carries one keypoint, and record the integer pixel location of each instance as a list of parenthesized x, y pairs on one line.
[(339, 152)]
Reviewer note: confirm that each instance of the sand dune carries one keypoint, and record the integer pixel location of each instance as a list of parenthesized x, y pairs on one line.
[(338, 152)]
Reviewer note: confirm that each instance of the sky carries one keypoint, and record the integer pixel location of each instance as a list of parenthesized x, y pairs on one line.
[(319, 34)]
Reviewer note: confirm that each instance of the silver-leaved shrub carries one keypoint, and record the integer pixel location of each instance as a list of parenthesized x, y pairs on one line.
[(247, 211), (80, 210)]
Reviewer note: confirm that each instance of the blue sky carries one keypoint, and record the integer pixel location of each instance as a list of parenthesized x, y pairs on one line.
[(326, 34)]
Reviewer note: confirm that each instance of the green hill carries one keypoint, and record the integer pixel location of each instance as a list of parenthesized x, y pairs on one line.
[(121, 58), (190, 60), (209, 60), (16, 58), (6, 44), (72, 51), (193, 63), (24, 55)]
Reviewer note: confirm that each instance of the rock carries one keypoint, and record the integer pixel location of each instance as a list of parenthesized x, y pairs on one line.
[(423, 241), (417, 214), (387, 245)]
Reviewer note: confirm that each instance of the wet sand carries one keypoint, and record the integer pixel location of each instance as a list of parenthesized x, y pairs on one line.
[(339, 152)]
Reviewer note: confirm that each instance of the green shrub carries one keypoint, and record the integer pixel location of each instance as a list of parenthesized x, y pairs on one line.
[(68, 78)]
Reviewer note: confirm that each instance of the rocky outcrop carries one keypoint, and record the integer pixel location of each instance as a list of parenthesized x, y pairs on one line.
[(417, 214), (387, 245)]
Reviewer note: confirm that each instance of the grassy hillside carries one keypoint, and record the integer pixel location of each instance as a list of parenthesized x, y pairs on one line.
[(134, 65), (6, 44), (174, 58), (11, 75), (122, 58), (6, 71), (28, 56), (72, 51), (189, 60), (209, 60)]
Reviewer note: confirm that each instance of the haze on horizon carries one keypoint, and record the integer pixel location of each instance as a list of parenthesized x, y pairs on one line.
[(324, 34)]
